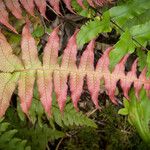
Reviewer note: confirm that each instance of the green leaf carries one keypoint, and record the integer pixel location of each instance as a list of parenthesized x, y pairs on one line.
[(93, 28), (4, 126), (139, 114), (148, 59), (141, 58), (141, 33), (123, 46), (71, 116), (121, 14), (123, 111), (7, 135), (148, 62), (38, 31), (19, 111), (126, 103), (38, 137), (137, 20)]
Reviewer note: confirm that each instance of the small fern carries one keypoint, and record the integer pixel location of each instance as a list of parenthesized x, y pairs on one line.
[(8, 141), (38, 137), (70, 116)]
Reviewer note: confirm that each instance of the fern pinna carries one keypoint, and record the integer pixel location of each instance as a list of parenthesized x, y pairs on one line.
[(50, 75), (29, 5)]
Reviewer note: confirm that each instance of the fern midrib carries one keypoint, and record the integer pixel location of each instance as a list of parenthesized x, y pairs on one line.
[(45, 89), (85, 73), (25, 93)]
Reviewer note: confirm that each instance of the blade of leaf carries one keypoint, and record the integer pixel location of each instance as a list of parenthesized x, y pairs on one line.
[(125, 82), (41, 4), (25, 89), (93, 28), (60, 76), (55, 5), (29, 49), (50, 54), (86, 64), (28, 5), (4, 17), (44, 82), (9, 62), (120, 50), (31, 64), (44, 77), (14, 7), (7, 86)]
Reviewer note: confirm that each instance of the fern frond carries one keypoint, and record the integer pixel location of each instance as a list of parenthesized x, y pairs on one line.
[(140, 33), (93, 28), (102, 2), (94, 3), (8, 141), (25, 89), (52, 75), (71, 117), (39, 137), (91, 3)]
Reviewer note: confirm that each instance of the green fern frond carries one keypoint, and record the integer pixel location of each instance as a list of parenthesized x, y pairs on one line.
[(71, 117), (38, 137), (93, 28), (8, 141)]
